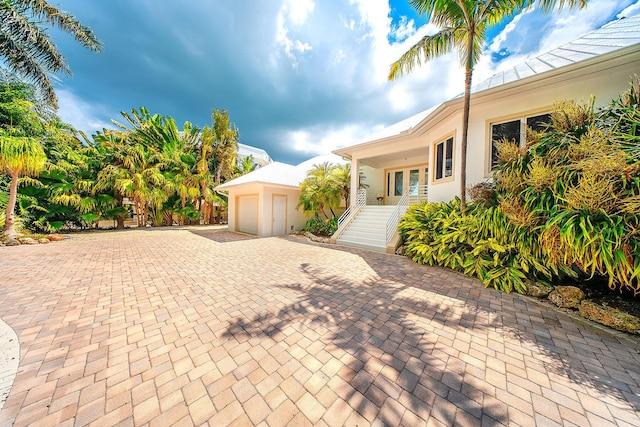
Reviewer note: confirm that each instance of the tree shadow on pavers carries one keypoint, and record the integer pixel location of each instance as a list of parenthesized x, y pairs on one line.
[(554, 344), (397, 355), (602, 363), (222, 236)]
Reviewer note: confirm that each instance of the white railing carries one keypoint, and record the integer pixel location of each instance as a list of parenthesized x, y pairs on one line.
[(415, 194), (361, 200), (418, 193)]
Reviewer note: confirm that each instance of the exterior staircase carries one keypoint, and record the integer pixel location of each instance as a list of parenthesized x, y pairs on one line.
[(368, 230)]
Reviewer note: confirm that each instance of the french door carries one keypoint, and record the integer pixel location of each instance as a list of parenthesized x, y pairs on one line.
[(397, 181)]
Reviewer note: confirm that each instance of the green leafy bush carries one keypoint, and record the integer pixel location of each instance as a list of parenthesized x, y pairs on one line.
[(321, 227), (567, 202)]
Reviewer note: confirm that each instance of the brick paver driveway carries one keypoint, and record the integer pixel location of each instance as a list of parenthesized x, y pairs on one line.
[(181, 327)]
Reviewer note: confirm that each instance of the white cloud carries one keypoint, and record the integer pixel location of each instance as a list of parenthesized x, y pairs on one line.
[(80, 114), (501, 38), (293, 12), (318, 140), (532, 33), (298, 10), (405, 29), (630, 11), (297, 76)]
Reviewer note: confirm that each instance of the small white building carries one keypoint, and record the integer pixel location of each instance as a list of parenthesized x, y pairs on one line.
[(263, 202)]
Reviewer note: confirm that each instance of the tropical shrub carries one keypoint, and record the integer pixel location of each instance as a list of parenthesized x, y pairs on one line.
[(320, 226), (320, 192), (568, 203)]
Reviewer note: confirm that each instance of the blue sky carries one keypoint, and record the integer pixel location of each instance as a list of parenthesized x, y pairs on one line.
[(298, 77)]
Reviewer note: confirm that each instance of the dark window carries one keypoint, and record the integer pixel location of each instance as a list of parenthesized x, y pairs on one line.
[(398, 184), (388, 184), (448, 158), (539, 123), (513, 131), (444, 159), (439, 157), (501, 131)]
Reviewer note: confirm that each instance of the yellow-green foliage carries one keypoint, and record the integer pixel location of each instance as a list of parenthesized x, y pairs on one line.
[(569, 201)]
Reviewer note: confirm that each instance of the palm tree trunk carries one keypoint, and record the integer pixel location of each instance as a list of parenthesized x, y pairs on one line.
[(465, 132), (140, 212), (145, 213), (120, 217), (9, 221)]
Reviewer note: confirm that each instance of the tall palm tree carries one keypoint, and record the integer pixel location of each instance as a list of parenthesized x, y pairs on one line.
[(27, 49), (19, 156), (225, 145), (464, 25)]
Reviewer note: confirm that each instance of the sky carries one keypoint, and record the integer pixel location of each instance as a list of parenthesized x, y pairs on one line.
[(298, 77)]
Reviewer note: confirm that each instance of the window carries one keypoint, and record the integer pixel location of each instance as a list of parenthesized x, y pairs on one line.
[(398, 183), (515, 131), (444, 159), (414, 181)]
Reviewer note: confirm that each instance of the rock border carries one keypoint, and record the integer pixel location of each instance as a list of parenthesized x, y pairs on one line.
[(25, 240), (572, 299), (309, 235)]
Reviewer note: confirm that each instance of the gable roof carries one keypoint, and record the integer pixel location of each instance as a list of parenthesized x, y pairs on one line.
[(275, 173), (615, 35), (281, 174)]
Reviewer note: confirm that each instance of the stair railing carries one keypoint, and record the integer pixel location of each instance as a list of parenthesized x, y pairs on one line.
[(419, 193), (361, 200), (414, 194)]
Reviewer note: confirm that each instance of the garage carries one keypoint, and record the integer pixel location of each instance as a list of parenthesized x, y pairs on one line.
[(247, 214)]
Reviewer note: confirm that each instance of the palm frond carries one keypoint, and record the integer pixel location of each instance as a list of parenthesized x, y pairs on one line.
[(429, 47)]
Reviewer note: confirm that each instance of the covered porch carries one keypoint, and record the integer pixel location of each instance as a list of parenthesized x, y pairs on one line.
[(391, 178)]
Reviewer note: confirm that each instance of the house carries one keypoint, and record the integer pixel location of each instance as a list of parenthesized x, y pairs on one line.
[(418, 158), (260, 157), (263, 202)]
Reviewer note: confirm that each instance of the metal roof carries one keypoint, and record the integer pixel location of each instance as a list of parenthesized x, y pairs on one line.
[(615, 35), (277, 173)]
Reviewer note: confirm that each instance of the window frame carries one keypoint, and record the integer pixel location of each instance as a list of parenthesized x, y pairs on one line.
[(443, 166), (522, 118)]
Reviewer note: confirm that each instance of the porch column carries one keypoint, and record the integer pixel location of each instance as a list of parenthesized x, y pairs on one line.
[(355, 169)]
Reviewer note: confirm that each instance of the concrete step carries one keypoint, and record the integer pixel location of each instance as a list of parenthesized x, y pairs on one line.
[(361, 245), (368, 230), (370, 239)]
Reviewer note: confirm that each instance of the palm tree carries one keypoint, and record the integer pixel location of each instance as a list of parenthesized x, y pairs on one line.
[(27, 49), (19, 156), (247, 165), (464, 25), (319, 191), (225, 145), (139, 178)]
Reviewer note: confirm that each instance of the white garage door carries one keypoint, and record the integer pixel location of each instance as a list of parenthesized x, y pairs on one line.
[(248, 214)]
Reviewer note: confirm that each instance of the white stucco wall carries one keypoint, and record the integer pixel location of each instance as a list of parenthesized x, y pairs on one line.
[(535, 96), (374, 178), (295, 218)]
